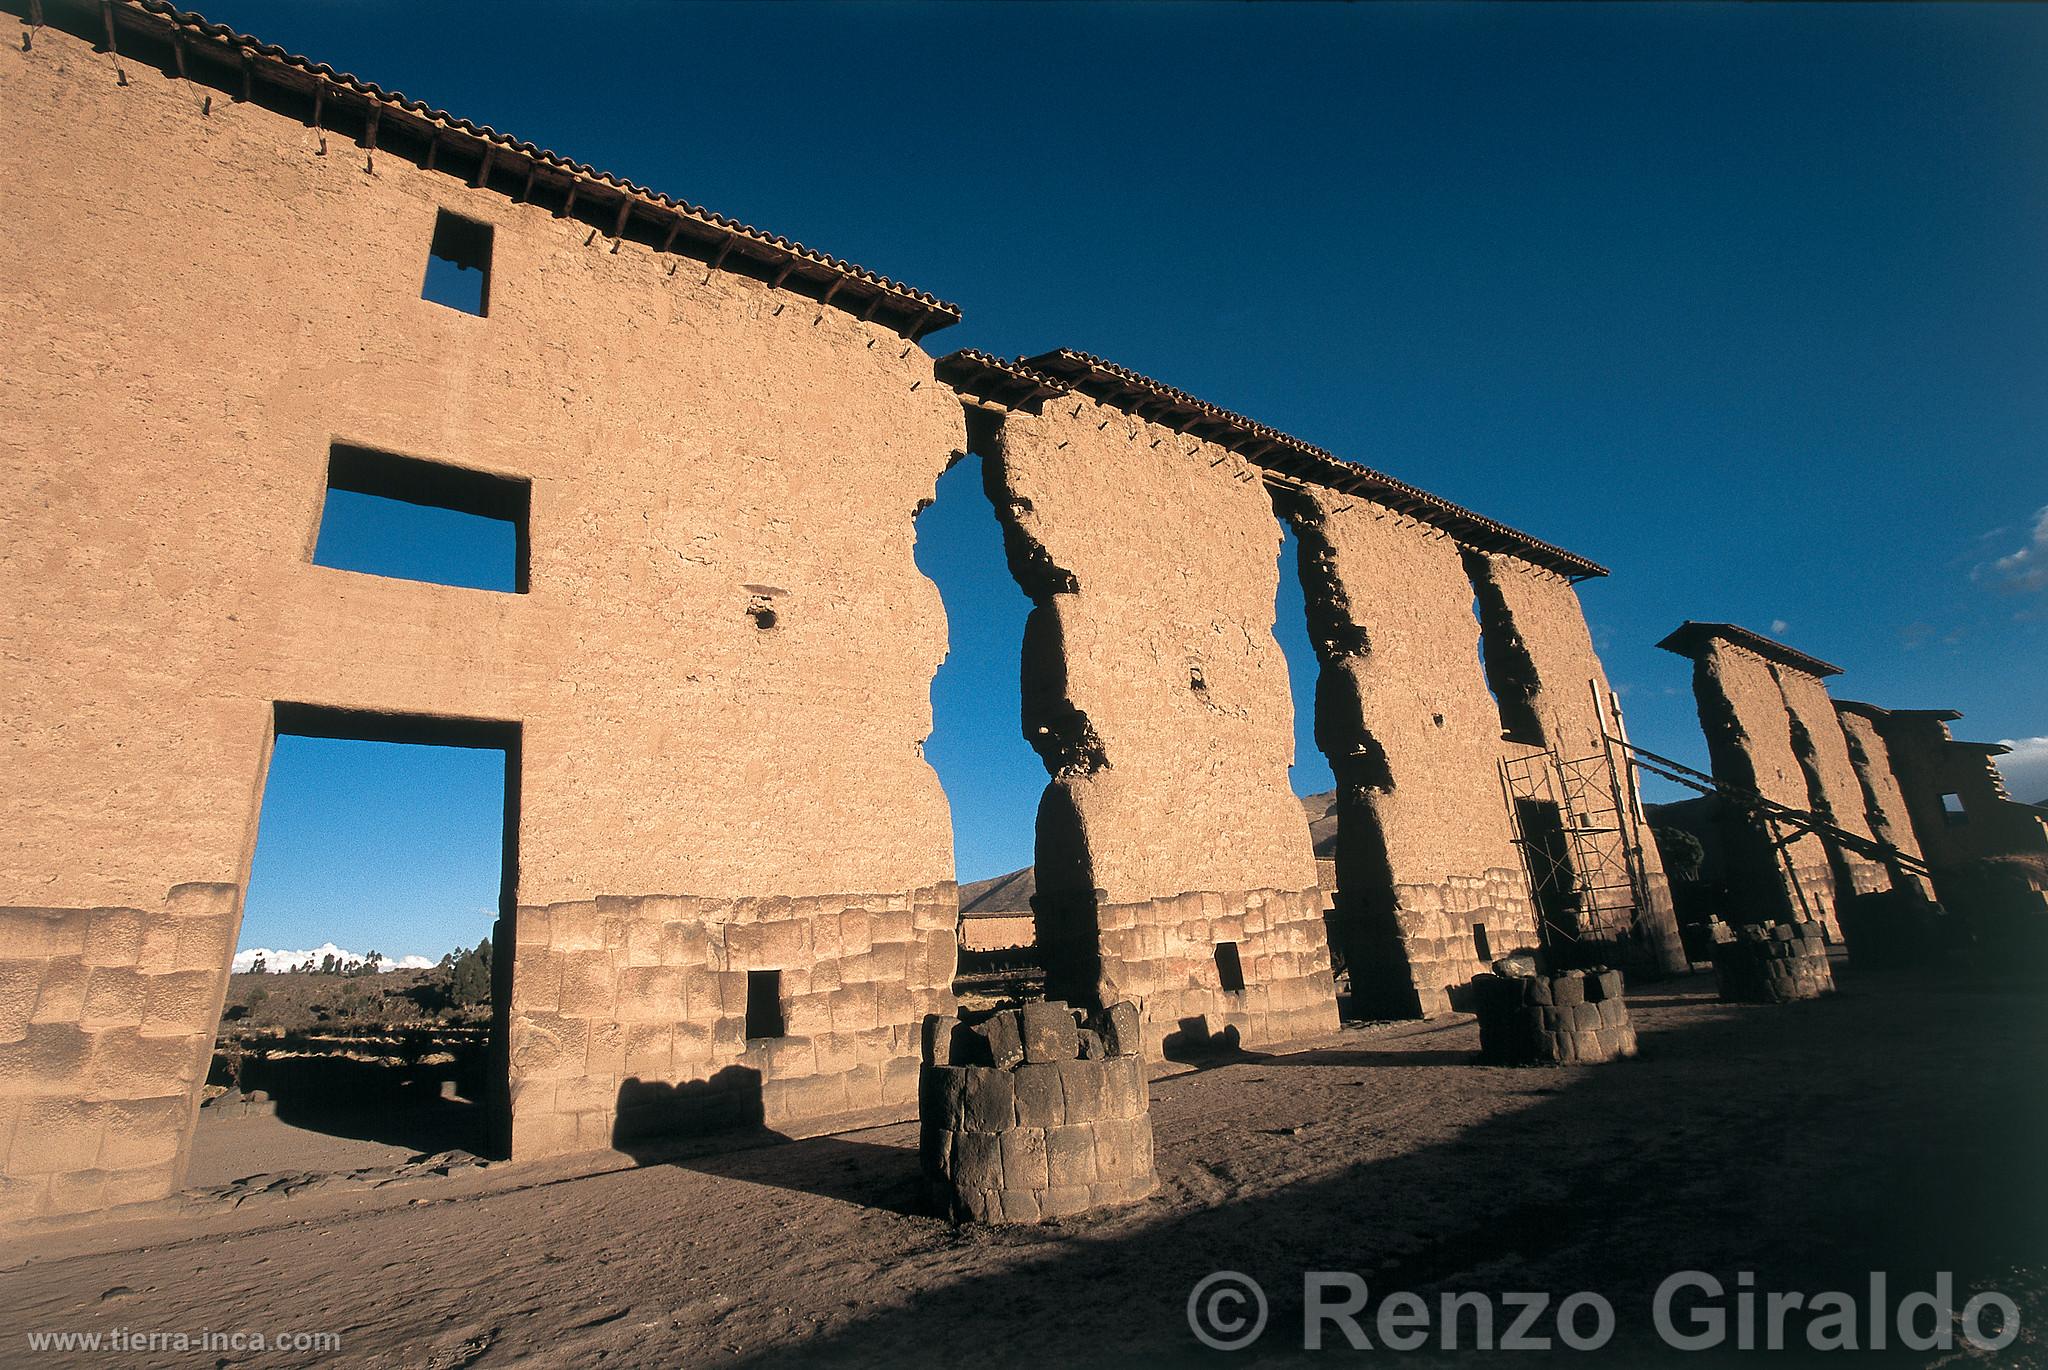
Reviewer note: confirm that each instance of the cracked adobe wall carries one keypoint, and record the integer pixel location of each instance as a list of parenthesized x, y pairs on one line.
[(1749, 736), (1156, 694), (1833, 787), (1424, 850), (1928, 763), (196, 306), (1539, 612), (1884, 805)]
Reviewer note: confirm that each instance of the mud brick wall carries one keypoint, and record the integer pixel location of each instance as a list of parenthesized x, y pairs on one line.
[(1545, 659), (1055, 1120), (1425, 845), (1749, 739), (1832, 785), (1157, 696), (198, 304), (1579, 1016), (1928, 763), (1774, 963), (1884, 805)]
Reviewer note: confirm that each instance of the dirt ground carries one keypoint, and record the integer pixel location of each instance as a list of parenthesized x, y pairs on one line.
[(1896, 1126)]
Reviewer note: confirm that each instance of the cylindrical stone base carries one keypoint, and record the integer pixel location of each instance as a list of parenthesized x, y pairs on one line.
[(1773, 963), (1578, 1017), (1035, 1113)]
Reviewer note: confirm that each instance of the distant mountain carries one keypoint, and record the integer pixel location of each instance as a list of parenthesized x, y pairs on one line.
[(1012, 893), (279, 961)]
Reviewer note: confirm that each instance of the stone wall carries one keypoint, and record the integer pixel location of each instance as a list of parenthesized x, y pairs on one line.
[(1535, 615), (1425, 851), (203, 297), (1157, 696), (1529, 1017), (1774, 963)]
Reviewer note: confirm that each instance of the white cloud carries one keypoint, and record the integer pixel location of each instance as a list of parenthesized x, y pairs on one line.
[(2025, 769), (1778, 627), (276, 961), (2024, 571)]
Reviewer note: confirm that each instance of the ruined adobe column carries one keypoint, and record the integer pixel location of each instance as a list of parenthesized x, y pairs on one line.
[(1430, 887), (1173, 865), (1772, 730), (1543, 668)]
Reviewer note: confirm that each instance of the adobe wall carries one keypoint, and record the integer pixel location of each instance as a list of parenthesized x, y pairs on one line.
[(1744, 715), (1835, 792), (1929, 763), (1156, 694), (1425, 850), (1536, 615), (1884, 804), (698, 796)]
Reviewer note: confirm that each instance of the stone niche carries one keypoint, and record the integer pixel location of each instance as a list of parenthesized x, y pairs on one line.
[(1528, 1017), (1035, 1113), (1774, 963)]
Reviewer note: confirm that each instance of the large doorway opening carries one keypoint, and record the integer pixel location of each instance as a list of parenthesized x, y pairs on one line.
[(363, 1028)]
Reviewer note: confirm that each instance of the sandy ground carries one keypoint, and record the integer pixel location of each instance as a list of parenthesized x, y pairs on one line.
[(1896, 1126)]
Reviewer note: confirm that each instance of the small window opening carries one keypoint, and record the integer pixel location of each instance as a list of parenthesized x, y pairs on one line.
[(1229, 968), (762, 611), (459, 265), (1197, 682), (764, 1004), (1482, 945), (409, 519), (1952, 809)]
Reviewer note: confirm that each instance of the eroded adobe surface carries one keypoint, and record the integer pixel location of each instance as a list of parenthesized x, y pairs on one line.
[(699, 795), (1548, 676), (1425, 852), (1157, 696), (1884, 803)]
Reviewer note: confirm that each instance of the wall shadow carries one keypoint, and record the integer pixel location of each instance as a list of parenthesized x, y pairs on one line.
[(1810, 1143)]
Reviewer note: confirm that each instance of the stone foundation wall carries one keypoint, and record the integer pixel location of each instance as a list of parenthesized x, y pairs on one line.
[(107, 1020), (629, 1015), (1774, 963), (1438, 942), (1577, 1017), (1164, 953), (1055, 1121)]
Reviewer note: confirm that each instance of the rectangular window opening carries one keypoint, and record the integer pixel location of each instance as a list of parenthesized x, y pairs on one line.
[(409, 519), (1482, 946), (764, 1004), (1952, 809), (1229, 967), (459, 265)]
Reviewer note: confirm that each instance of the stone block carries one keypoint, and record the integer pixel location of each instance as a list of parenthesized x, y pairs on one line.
[(182, 1003), (899, 1080), (1041, 1099), (53, 1136), (143, 1132), (20, 983), (48, 1058), (589, 985), (115, 996), (856, 1007), (1064, 1201), (1022, 1206), (1049, 1033), (206, 944), (548, 1048), (1122, 1032), (113, 937), (61, 999), (1070, 1156), (205, 900), (650, 1051), (139, 1184), (604, 1050), (989, 1100), (935, 1150), (1024, 1158), (977, 1161), (1004, 1034), (1568, 990)]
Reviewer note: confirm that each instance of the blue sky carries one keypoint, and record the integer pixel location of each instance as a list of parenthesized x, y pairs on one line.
[(1746, 302)]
